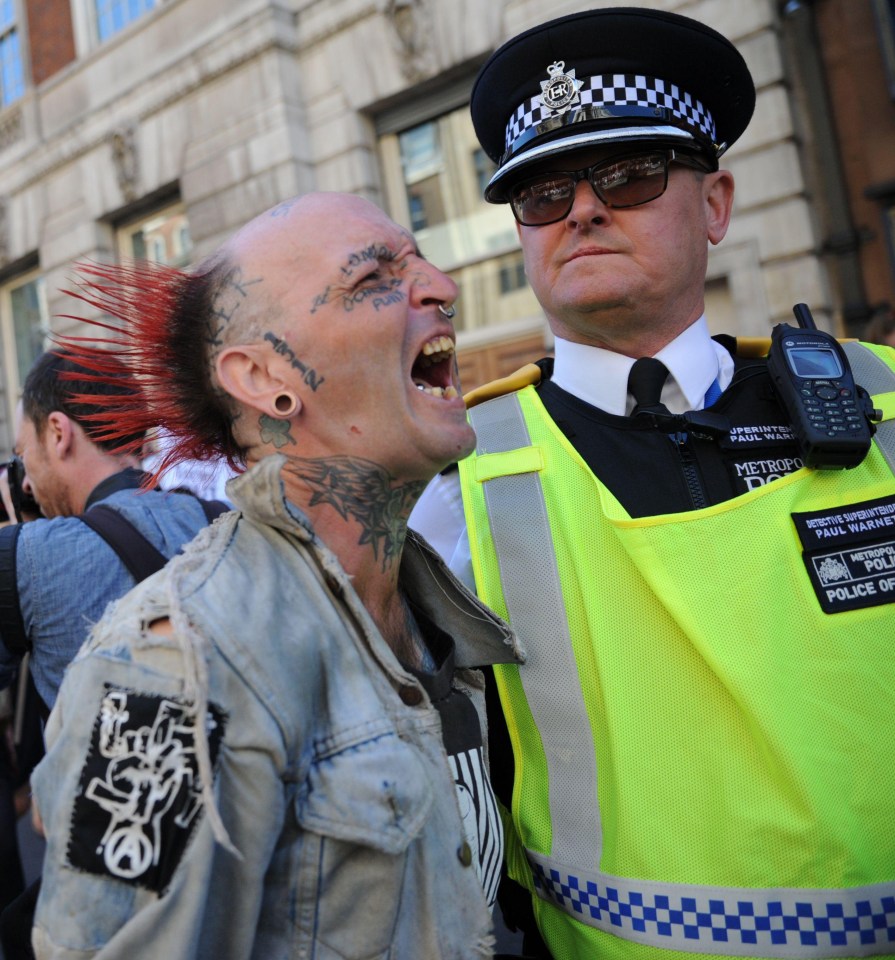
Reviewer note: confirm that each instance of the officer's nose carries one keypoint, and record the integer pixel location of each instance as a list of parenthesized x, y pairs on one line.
[(587, 207)]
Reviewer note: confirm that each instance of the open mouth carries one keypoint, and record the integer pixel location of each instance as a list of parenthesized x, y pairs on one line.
[(433, 370)]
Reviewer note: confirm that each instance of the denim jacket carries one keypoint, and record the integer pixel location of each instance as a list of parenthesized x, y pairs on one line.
[(330, 827)]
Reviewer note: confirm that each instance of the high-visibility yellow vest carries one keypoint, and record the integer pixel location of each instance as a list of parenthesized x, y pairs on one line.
[(705, 758)]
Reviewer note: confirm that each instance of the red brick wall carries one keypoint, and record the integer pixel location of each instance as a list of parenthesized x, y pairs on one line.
[(50, 35), (864, 115)]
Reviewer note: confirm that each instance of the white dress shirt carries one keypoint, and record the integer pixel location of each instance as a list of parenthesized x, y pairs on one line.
[(600, 377)]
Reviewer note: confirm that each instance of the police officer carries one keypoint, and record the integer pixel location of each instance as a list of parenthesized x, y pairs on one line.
[(702, 735)]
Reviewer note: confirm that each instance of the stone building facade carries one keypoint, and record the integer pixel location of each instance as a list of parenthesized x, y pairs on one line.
[(161, 135)]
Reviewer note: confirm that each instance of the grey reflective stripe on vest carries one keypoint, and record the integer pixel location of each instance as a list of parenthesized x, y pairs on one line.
[(875, 377), (734, 921), (517, 514)]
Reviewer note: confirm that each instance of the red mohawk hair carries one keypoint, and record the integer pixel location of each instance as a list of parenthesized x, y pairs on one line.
[(159, 322)]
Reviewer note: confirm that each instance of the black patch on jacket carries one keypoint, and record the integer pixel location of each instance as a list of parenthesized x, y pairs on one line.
[(140, 794)]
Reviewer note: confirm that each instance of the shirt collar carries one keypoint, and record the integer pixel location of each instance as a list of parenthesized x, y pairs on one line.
[(600, 377), (127, 479)]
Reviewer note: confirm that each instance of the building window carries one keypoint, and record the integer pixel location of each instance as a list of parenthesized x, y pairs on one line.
[(12, 76), (115, 15), (24, 320), (512, 275), (885, 18), (485, 168), (162, 236), (423, 163), (434, 174)]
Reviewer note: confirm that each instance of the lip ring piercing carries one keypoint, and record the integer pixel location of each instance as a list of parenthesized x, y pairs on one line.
[(285, 404), (447, 312)]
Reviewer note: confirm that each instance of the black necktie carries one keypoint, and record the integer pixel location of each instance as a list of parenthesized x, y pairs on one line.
[(645, 382)]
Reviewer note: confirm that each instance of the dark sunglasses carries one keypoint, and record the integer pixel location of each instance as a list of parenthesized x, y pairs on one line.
[(619, 182)]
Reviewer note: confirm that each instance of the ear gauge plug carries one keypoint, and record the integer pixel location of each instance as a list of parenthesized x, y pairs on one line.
[(285, 404)]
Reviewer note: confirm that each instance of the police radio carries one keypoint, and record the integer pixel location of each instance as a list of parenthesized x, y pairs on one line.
[(831, 415)]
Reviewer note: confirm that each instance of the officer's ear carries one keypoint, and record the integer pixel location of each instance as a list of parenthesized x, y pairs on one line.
[(717, 192)]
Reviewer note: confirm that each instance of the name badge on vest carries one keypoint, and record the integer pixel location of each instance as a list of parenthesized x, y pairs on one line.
[(756, 455), (849, 552)]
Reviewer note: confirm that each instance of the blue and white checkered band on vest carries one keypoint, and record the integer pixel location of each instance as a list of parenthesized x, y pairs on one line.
[(617, 90)]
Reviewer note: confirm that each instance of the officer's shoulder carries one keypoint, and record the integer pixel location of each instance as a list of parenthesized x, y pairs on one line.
[(529, 375)]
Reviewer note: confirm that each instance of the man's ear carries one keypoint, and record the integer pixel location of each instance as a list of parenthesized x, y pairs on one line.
[(59, 434), (245, 372), (718, 194)]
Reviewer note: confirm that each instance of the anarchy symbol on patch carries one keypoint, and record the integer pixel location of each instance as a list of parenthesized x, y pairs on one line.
[(561, 90), (128, 853)]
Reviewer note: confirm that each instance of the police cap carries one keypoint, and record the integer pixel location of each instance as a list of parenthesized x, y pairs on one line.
[(614, 75)]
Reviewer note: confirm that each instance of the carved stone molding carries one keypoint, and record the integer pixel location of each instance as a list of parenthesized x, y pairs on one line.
[(125, 159), (411, 21), (5, 240), (12, 128)]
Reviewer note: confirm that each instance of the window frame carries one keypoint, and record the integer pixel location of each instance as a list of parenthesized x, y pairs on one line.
[(884, 11), (85, 22), (436, 109), (13, 382), (16, 27), (169, 208), (468, 238)]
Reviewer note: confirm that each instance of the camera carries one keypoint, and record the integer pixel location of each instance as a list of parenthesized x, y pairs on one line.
[(22, 502)]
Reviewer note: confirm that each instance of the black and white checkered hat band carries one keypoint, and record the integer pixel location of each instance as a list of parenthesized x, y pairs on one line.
[(618, 90)]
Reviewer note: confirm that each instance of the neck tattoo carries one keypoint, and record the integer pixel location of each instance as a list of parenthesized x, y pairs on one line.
[(365, 492)]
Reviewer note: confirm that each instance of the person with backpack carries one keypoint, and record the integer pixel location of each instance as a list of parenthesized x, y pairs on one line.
[(57, 572), (89, 531)]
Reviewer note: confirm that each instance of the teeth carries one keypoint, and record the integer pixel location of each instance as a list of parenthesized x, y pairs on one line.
[(435, 351), (447, 393), (438, 345)]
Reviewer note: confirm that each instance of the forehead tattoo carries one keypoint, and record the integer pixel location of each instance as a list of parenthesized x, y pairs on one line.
[(364, 284), (374, 253), (283, 209)]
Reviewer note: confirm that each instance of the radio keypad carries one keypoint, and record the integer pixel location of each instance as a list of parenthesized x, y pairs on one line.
[(830, 407)]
